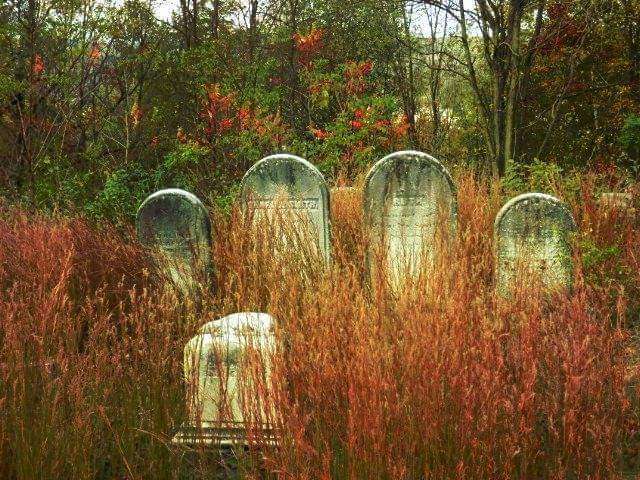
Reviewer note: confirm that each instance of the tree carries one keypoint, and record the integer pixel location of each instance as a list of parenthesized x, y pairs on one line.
[(582, 88), (507, 33)]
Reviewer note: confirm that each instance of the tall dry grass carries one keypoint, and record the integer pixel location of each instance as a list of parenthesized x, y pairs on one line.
[(445, 381)]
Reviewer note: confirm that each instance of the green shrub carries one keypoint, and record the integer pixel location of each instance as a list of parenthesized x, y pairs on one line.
[(121, 195), (630, 136)]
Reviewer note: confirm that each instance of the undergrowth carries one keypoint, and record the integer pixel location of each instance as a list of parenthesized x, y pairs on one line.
[(445, 380)]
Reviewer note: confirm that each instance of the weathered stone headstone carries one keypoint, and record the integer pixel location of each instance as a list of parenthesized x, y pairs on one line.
[(405, 195), (532, 238), (221, 365), (288, 188), (176, 224), (619, 202)]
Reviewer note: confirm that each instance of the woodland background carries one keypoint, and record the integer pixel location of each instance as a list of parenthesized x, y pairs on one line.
[(102, 103)]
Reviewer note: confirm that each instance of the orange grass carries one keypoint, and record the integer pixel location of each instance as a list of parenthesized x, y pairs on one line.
[(453, 384)]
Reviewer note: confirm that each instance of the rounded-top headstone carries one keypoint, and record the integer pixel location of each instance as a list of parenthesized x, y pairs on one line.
[(532, 237), (257, 323), (289, 184), (217, 368), (405, 195), (176, 223)]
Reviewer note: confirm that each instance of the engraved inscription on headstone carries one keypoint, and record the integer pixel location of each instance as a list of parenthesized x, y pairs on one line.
[(532, 238), (222, 364), (288, 188), (405, 195), (177, 225)]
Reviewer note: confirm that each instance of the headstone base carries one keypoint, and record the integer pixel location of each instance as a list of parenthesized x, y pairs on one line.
[(222, 436)]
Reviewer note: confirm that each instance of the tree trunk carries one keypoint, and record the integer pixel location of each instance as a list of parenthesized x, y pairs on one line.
[(631, 12), (486, 118), (194, 22), (513, 85), (293, 112), (28, 113), (253, 28), (186, 30), (215, 19), (409, 93)]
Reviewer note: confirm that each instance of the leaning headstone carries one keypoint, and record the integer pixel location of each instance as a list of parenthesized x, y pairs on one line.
[(222, 365), (532, 238), (176, 224), (285, 188), (405, 195)]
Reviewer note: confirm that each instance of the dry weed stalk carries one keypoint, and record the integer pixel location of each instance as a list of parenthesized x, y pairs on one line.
[(444, 381)]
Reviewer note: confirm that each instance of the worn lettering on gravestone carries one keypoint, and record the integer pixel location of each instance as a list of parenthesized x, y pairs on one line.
[(223, 367), (532, 237), (288, 188), (177, 225), (405, 195)]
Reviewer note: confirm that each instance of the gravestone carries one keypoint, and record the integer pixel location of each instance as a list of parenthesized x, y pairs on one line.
[(405, 195), (287, 188), (221, 365), (176, 224), (532, 238), (619, 202)]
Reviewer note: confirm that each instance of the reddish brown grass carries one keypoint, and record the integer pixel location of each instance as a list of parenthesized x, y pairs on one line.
[(453, 384)]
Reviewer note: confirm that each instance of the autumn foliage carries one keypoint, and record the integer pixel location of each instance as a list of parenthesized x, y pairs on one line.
[(444, 381)]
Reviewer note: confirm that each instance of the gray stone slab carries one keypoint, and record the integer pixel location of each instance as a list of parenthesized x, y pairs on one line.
[(405, 194), (176, 224), (215, 371), (621, 203), (532, 237), (288, 187)]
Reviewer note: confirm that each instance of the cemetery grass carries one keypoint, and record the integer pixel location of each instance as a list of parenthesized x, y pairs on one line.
[(442, 381)]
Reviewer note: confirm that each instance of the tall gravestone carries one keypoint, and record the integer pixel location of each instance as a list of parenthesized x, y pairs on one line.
[(285, 188), (405, 195), (222, 363), (176, 224), (532, 238)]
